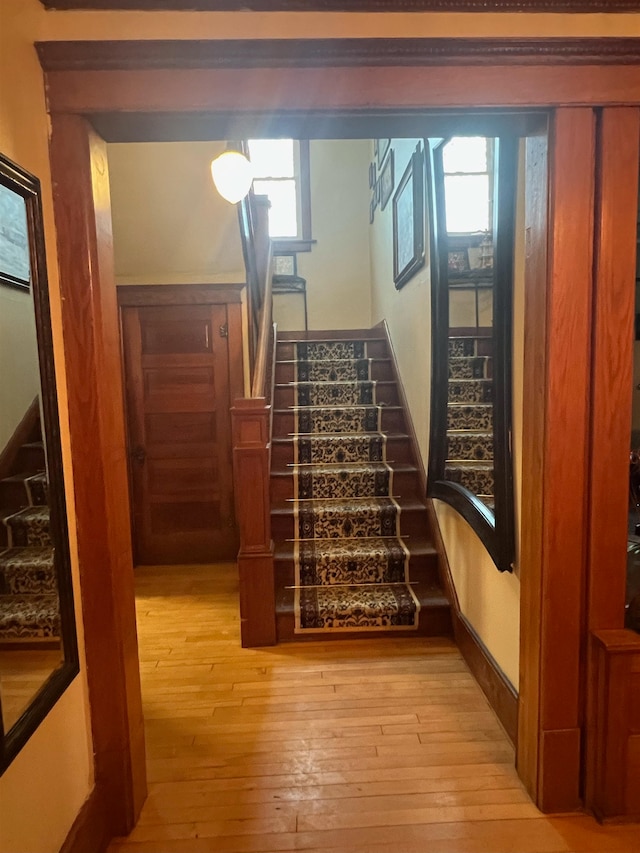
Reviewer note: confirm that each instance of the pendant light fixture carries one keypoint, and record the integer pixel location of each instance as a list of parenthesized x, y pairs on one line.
[(232, 174)]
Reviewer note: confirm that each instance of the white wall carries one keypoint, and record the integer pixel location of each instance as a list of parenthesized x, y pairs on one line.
[(170, 226), (489, 600), (44, 788), (337, 267)]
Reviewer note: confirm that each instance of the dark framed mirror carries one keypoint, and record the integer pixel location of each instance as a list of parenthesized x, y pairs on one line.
[(38, 645), (472, 197)]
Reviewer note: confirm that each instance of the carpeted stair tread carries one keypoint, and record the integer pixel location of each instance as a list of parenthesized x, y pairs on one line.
[(462, 416), (469, 445), (419, 546), (469, 367), (470, 391), (27, 570), (475, 476), (312, 420), (29, 617), (342, 481), (329, 394), (370, 560), (340, 448), (372, 607), (347, 518), (30, 526)]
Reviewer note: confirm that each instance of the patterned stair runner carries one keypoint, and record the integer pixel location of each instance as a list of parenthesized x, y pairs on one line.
[(351, 566), (29, 608), (469, 417)]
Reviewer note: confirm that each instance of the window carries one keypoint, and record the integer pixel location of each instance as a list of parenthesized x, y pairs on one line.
[(466, 163), (281, 168)]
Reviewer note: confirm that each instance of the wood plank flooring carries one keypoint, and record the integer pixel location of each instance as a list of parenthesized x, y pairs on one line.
[(376, 746)]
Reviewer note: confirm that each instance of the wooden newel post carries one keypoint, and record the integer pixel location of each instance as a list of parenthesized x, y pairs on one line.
[(251, 452)]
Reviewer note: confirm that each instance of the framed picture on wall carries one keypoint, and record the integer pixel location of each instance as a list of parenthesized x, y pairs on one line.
[(386, 181), (381, 148), (15, 262), (408, 221)]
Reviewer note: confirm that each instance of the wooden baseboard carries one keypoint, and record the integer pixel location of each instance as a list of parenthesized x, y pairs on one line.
[(495, 685), (90, 832)]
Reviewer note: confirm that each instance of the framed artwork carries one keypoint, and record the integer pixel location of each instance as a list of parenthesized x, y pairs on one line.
[(458, 261), (386, 181), (381, 147), (408, 221), (15, 261), (372, 175)]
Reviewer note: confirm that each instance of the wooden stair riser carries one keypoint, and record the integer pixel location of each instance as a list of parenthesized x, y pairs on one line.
[(13, 495), (380, 370), (478, 417), (403, 483), (470, 391), (398, 449), (392, 420), (31, 457)]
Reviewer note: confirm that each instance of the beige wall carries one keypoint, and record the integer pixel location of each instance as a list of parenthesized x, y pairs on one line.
[(45, 786), (170, 226), (337, 267), (491, 601), (20, 381)]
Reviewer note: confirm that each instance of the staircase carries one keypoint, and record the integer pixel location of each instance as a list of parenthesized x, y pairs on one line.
[(353, 551), (29, 610), (469, 459)]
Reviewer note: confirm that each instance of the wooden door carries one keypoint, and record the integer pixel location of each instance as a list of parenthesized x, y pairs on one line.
[(178, 391)]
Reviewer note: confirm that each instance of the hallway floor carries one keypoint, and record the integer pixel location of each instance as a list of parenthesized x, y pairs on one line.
[(369, 746)]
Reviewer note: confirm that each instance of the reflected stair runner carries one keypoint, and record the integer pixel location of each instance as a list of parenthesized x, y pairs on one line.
[(469, 459), (29, 608), (351, 566)]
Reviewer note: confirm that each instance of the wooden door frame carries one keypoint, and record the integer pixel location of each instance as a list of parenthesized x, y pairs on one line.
[(136, 88)]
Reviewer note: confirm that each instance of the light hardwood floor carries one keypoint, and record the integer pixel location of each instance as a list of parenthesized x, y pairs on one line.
[(380, 746)]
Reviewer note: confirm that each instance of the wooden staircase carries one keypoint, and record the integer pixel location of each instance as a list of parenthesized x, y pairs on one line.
[(434, 617)]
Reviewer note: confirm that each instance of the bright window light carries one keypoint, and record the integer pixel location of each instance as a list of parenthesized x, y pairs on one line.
[(467, 185), (283, 219), (276, 169), (465, 154), (467, 200)]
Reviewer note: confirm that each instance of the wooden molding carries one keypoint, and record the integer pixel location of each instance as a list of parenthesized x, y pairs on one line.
[(350, 52), (411, 431), (90, 830), (556, 6), (179, 294), (494, 684), (613, 791)]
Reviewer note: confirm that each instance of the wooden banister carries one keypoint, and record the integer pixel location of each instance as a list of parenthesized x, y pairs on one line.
[(251, 430)]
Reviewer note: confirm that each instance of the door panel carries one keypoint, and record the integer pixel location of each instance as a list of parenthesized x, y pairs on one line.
[(178, 401)]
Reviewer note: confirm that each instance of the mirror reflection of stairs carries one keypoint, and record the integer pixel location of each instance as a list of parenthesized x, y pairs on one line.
[(351, 531), (29, 609), (469, 459)]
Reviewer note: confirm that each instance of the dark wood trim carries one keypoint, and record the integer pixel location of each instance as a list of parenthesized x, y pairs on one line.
[(90, 830), (411, 431), (318, 53), (499, 691), (179, 294), (556, 6)]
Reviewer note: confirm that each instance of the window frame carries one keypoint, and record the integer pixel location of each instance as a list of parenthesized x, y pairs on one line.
[(302, 178)]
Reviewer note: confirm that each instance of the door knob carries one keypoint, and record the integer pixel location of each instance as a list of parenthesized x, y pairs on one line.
[(139, 454)]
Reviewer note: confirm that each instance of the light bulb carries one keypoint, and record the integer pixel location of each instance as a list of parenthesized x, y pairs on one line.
[(232, 175)]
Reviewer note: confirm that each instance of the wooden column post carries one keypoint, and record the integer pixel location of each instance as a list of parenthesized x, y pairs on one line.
[(555, 453), (96, 421), (612, 783), (251, 467)]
